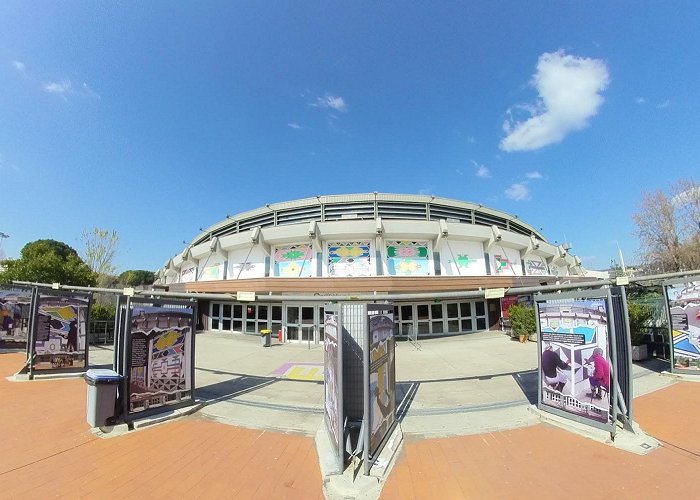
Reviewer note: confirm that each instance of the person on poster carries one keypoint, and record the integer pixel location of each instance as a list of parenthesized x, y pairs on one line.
[(600, 379), (73, 336), (550, 362)]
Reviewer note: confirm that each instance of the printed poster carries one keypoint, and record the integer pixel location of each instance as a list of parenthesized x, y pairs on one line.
[(684, 308), (160, 368), (60, 332), (15, 310), (575, 357), (334, 421), (382, 374)]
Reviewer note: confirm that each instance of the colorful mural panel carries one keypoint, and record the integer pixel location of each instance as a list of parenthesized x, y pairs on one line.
[(212, 272), (575, 357), (684, 308), (293, 261), (349, 259), (188, 275), (408, 258), (160, 369), (60, 339), (536, 267)]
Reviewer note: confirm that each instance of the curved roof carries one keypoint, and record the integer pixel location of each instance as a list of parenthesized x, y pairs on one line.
[(367, 206)]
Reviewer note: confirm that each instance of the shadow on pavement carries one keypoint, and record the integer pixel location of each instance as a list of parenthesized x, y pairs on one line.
[(654, 364), (229, 389), (528, 381), (405, 394)]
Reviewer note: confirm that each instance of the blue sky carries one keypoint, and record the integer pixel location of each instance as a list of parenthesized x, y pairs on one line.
[(158, 118)]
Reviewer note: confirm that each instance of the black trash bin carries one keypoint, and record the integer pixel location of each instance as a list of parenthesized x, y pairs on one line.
[(101, 395), (265, 337)]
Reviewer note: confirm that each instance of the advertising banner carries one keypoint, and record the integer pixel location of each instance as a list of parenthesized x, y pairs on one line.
[(382, 374), (60, 331), (160, 355), (575, 357), (15, 311), (684, 312), (333, 401)]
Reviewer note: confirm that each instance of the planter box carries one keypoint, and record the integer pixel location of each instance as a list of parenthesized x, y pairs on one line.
[(639, 352)]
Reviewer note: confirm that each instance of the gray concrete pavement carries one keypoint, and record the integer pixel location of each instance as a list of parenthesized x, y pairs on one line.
[(449, 386)]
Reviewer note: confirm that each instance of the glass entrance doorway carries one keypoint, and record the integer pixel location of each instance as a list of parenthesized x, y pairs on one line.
[(303, 323)]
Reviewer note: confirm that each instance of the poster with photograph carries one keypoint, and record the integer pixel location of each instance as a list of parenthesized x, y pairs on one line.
[(160, 357), (15, 310), (382, 374), (60, 331), (684, 311), (575, 357), (332, 388)]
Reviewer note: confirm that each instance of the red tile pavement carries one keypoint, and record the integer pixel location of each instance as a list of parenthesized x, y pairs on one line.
[(47, 450), (546, 462)]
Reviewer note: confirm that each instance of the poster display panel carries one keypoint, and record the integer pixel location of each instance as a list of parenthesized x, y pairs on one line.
[(382, 374), (60, 331), (160, 356), (333, 401), (684, 312), (575, 357), (15, 311)]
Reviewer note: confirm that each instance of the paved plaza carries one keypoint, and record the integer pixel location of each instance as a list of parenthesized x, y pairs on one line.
[(465, 413)]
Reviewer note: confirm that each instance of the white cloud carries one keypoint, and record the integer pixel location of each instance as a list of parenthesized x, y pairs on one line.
[(294, 125), (482, 170), (569, 89), (329, 101), (533, 175), (459, 172), (664, 104), (518, 191), (58, 88), (19, 66), (641, 100)]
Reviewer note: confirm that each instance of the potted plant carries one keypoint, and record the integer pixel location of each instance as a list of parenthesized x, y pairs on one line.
[(639, 317), (522, 319)]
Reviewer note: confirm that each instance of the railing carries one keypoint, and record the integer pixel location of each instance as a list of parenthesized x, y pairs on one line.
[(101, 332), (656, 339)]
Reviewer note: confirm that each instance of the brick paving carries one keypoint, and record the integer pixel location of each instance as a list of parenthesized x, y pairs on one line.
[(546, 462), (47, 450)]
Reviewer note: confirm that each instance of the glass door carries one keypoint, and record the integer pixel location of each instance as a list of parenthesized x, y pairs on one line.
[(303, 323)]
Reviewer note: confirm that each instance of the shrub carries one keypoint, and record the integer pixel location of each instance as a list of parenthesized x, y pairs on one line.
[(102, 312), (522, 320), (639, 317)]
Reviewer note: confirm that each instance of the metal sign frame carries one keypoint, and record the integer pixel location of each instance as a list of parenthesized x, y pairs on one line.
[(691, 372), (125, 341), (336, 311), (369, 455), (610, 425), (50, 292)]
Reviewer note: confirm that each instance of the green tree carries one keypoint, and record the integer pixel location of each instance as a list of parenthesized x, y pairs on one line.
[(48, 261), (136, 277), (668, 227), (100, 247)]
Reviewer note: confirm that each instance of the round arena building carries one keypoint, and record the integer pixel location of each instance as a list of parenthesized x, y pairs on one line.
[(375, 243)]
